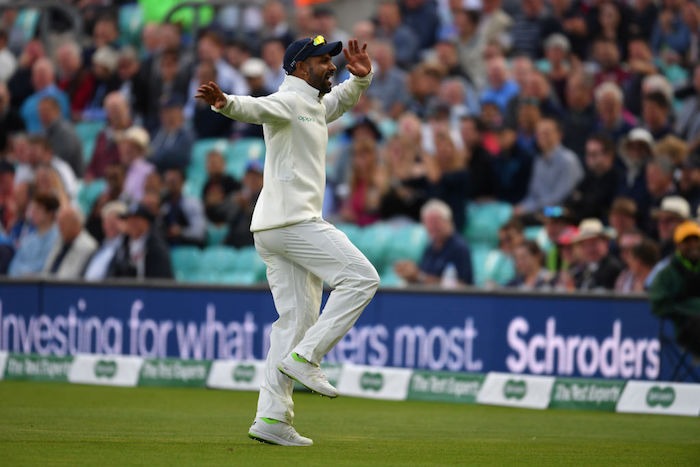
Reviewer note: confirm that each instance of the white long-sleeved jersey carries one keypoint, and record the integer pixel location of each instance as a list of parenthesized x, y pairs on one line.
[(295, 127)]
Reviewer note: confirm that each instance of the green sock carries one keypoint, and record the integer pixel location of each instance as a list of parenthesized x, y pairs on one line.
[(299, 358)]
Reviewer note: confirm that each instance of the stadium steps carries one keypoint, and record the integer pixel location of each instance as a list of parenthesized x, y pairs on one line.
[(218, 264)]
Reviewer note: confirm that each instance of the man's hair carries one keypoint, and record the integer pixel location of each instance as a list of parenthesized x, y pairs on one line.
[(533, 248), (179, 170), (605, 141), (554, 121), (478, 123), (609, 87), (647, 252), (52, 101), (438, 206), (47, 201), (213, 36), (513, 224), (658, 98), (40, 140), (171, 53)]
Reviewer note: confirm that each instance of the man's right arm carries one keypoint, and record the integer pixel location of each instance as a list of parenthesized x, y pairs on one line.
[(275, 108)]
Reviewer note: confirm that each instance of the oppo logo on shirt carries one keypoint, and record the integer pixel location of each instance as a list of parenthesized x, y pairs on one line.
[(304, 118)]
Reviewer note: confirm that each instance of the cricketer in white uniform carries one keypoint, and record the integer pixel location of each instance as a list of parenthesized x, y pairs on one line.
[(300, 249)]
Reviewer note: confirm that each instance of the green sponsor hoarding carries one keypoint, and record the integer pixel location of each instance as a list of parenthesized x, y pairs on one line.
[(660, 396), (589, 394), (515, 389), (174, 372), (243, 373), (37, 367), (105, 369), (445, 386), (371, 381)]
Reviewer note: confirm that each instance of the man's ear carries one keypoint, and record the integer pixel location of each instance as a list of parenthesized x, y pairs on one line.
[(302, 69)]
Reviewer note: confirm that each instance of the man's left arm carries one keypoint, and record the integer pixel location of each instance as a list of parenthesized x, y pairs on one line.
[(344, 96)]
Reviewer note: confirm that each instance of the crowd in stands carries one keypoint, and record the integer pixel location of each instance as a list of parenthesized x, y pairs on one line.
[(537, 145)]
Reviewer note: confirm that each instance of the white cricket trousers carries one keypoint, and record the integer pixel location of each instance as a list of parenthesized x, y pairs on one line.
[(299, 259)]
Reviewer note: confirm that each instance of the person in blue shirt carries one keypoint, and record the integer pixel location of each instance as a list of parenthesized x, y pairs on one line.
[(446, 252), (35, 247), (44, 84)]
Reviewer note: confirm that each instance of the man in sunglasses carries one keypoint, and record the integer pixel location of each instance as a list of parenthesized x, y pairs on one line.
[(300, 249)]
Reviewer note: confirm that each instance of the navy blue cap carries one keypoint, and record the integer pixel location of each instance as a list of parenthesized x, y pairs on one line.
[(302, 49)]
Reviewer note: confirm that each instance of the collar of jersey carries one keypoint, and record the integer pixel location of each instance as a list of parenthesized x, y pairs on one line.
[(292, 83)]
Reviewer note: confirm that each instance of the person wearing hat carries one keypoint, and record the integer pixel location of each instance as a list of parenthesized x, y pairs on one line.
[(300, 249), (142, 254), (569, 259), (623, 214), (675, 292), (134, 145), (636, 150), (555, 220), (672, 212), (254, 71), (600, 269), (113, 228), (104, 67)]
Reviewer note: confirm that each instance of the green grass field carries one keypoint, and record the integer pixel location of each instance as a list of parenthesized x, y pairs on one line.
[(64, 424)]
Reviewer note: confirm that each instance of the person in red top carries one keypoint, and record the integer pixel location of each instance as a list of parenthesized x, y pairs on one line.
[(361, 203), (106, 150), (73, 78)]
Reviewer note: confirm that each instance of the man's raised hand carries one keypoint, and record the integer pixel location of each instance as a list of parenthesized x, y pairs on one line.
[(211, 94), (358, 60)]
